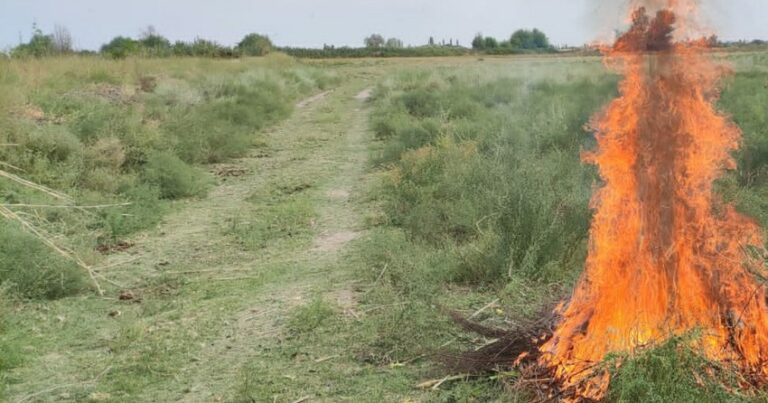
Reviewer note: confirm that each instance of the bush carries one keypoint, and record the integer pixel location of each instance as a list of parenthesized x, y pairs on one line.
[(55, 143), (307, 318), (255, 45), (671, 373), (144, 212), (490, 173), (225, 126), (173, 177), (121, 47), (29, 269)]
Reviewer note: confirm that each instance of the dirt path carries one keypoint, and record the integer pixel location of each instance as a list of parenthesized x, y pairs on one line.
[(340, 163), (203, 305)]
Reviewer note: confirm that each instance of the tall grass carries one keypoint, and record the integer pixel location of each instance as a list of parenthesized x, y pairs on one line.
[(133, 131), (490, 172), (482, 185)]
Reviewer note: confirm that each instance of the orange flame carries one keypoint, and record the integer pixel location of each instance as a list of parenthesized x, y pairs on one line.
[(667, 256)]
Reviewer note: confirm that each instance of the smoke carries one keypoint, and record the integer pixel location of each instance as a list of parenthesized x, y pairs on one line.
[(612, 18)]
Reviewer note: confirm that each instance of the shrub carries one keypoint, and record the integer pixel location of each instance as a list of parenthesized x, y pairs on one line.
[(120, 47), (307, 318), (144, 212), (422, 102), (225, 126), (255, 45), (490, 177), (55, 143), (173, 177), (107, 152), (671, 373), (39, 45), (29, 269)]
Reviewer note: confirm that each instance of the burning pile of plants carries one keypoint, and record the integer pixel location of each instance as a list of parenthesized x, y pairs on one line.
[(667, 257)]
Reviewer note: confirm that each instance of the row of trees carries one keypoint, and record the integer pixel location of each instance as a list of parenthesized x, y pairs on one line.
[(149, 44), (520, 41), (152, 44), (376, 41), (348, 52), (155, 45)]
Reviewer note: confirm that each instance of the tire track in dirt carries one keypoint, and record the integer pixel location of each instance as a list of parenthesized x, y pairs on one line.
[(261, 323)]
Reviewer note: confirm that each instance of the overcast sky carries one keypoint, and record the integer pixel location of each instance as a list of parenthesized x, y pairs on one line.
[(312, 23)]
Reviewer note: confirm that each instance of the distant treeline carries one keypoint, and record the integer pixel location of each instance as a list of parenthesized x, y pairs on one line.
[(152, 44), (521, 41), (348, 52)]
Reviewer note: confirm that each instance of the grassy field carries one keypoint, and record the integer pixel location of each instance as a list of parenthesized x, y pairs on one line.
[(301, 230)]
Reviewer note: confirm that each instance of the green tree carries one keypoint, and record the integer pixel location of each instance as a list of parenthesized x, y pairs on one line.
[(39, 45), (522, 39), (255, 45), (181, 48), (490, 43), (540, 40), (374, 41), (394, 43), (154, 44), (121, 47), (478, 43)]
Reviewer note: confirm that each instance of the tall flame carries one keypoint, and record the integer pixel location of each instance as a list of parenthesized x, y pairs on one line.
[(667, 256)]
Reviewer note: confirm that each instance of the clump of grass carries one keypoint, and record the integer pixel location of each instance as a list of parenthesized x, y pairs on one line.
[(30, 270), (290, 219), (492, 179), (224, 126), (280, 212), (309, 317), (143, 212), (173, 177)]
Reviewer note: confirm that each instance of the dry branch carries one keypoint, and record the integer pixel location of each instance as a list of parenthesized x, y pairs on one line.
[(53, 206), (483, 309), (436, 383), (32, 185), (14, 167)]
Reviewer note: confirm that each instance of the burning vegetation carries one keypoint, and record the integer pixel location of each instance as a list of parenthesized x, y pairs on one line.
[(667, 256)]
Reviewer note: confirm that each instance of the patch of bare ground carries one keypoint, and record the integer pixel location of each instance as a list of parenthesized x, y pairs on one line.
[(261, 326), (338, 194), (333, 242), (308, 101), (364, 95)]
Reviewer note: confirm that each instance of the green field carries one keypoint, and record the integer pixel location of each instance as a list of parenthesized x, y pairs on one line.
[(274, 230)]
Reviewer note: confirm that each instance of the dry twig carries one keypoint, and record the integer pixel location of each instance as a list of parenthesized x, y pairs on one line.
[(483, 309), (32, 185), (435, 384), (53, 206)]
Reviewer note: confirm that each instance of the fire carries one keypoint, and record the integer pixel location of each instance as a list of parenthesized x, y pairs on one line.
[(667, 257)]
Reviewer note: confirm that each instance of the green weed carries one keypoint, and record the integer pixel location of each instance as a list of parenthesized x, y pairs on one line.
[(29, 269), (173, 177)]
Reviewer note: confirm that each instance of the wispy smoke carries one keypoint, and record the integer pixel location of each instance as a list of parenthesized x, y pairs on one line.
[(613, 17)]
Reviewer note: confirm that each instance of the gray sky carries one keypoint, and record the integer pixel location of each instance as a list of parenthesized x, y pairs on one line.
[(312, 23)]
